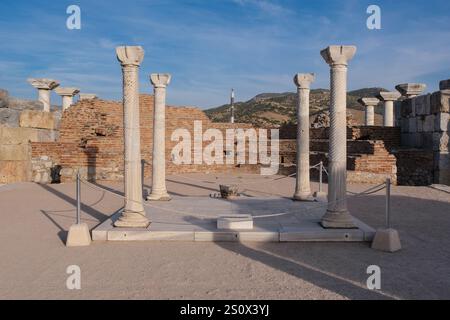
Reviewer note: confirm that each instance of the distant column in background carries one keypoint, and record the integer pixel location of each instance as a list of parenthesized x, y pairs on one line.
[(369, 104), (232, 106), (44, 86), (389, 98), (67, 95)]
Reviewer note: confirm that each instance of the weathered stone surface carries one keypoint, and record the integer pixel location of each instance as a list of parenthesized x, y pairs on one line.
[(428, 124), (87, 96), (15, 152), (442, 168), (422, 105), (37, 119), (4, 98), (412, 125), (419, 123), (386, 240), (440, 141), (411, 89), (444, 84), (9, 117), (24, 104), (15, 171), (440, 101), (442, 121), (406, 108), (78, 236), (23, 135)]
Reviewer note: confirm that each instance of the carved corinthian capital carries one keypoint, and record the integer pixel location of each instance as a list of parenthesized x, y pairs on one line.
[(130, 55)]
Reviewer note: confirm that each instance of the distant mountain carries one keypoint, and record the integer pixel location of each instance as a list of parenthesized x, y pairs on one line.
[(275, 109)]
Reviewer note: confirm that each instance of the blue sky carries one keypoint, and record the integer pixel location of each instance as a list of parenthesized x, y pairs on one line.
[(210, 46)]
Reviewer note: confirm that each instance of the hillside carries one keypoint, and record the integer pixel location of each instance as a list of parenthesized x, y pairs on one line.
[(274, 109)]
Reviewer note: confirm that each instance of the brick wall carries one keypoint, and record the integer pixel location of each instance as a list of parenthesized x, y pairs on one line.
[(91, 139)]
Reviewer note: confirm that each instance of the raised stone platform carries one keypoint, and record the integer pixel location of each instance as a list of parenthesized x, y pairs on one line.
[(195, 219)]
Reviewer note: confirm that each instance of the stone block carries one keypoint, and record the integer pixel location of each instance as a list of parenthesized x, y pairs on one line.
[(426, 141), (37, 119), (404, 125), (412, 125), (419, 123), (428, 124), (229, 191), (441, 122), (15, 171), (18, 152), (444, 84), (406, 108), (23, 135), (440, 141), (440, 101), (422, 105)]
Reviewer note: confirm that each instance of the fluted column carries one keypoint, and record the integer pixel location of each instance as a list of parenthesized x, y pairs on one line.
[(389, 98), (337, 215), (159, 191), (302, 182), (67, 95), (369, 104), (44, 86), (133, 214)]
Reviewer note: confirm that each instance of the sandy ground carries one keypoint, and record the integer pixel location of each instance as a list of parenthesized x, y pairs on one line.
[(33, 258)]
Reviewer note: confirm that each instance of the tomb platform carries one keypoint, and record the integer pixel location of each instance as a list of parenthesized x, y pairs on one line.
[(275, 219)]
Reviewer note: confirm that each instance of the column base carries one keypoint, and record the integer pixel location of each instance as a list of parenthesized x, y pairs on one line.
[(159, 197), (132, 220), (303, 196), (338, 220)]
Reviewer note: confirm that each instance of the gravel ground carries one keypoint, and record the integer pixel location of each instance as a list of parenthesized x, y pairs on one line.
[(33, 258)]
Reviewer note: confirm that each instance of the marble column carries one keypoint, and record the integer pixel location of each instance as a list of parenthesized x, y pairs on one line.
[(388, 98), (369, 104), (44, 86), (87, 96), (302, 181), (337, 215), (133, 214), (159, 191), (67, 95), (410, 90)]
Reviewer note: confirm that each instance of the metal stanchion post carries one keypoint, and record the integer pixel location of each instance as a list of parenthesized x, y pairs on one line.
[(78, 198), (320, 175), (388, 203)]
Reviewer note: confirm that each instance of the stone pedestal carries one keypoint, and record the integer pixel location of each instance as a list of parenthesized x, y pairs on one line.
[(389, 98), (133, 214), (369, 104), (78, 236), (337, 215), (386, 240), (302, 182), (44, 86), (159, 191), (67, 95)]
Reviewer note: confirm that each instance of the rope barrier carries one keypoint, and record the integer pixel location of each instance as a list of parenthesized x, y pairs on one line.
[(369, 191)]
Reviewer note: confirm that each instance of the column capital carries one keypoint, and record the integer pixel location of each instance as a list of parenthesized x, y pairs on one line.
[(411, 89), (130, 55), (67, 91), (160, 80), (88, 96), (304, 80), (368, 102), (338, 55), (43, 83), (389, 95)]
